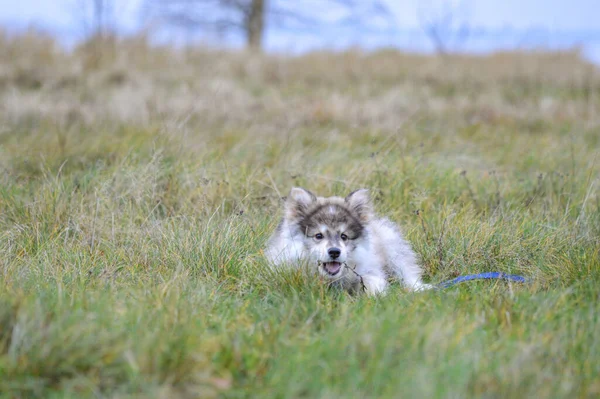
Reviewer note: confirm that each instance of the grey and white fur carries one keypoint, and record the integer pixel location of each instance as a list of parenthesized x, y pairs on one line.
[(344, 240)]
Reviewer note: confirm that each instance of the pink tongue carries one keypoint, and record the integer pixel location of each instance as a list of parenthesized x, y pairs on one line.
[(332, 267)]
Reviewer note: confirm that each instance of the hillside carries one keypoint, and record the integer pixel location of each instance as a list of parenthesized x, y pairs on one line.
[(138, 186)]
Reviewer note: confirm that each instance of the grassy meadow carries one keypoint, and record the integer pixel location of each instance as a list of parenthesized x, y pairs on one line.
[(139, 185)]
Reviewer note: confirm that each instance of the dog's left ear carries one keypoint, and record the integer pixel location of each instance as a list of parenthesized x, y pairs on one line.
[(298, 202), (359, 202)]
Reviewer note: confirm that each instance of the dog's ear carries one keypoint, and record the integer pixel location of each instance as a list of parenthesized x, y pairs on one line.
[(298, 202), (359, 202)]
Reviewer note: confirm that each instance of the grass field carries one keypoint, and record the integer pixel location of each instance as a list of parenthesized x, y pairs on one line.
[(138, 187)]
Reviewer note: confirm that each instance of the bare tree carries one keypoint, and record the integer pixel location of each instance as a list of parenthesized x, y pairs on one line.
[(445, 23), (250, 17), (255, 23), (95, 16), (97, 19)]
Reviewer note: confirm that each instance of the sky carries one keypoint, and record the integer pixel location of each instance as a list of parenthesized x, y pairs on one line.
[(506, 23)]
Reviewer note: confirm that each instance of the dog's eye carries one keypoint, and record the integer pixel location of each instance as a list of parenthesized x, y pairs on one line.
[(344, 237), (319, 236)]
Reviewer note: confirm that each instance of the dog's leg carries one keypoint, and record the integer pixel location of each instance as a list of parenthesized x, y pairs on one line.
[(374, 285), (401, 259)]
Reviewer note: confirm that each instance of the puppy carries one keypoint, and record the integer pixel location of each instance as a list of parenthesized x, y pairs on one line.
[(345, 241)]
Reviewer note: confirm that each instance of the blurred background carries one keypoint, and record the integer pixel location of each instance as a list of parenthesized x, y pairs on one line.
[(429, 26)]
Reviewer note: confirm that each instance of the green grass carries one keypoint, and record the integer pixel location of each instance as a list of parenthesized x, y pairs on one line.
[(131, 237)]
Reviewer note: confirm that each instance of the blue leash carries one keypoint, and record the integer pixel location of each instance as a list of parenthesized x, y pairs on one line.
[(483, 276)]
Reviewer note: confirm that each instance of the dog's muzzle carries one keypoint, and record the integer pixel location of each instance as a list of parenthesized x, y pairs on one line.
[(332, 268)]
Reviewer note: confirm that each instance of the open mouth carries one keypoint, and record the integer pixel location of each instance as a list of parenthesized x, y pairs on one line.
[(332, 268)]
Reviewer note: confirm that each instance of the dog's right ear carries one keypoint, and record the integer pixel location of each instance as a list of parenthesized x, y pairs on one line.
[(298, 202), (359, 202)]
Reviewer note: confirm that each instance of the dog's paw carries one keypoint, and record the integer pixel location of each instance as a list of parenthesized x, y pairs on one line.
[(417, 287)]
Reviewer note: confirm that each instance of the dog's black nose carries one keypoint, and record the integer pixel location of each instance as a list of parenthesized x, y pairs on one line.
[(334, 253)]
